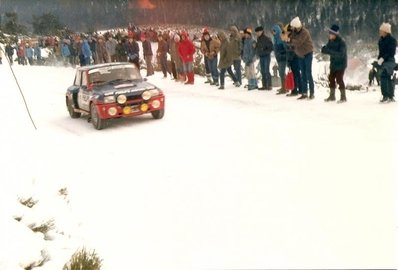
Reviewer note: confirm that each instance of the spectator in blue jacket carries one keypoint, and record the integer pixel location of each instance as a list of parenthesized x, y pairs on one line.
[(280, 55), (85, 53), (248, 57), (65, 53), (29, 54)]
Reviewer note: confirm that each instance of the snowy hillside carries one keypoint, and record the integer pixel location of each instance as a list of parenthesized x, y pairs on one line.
[(227, 180)]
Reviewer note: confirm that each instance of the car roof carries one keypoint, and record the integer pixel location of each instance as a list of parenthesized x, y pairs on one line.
[(87, 68)]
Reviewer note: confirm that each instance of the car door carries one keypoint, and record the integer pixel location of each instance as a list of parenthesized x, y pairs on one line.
[(84, 93)]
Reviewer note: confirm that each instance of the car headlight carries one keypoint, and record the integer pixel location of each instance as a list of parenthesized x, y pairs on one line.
[(109, 99), (154, 92), (146, 95), (121, 99)]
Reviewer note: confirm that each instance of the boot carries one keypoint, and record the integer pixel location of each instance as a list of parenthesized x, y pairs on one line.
[(209, 79), (264, 87), (282, 90), (221, 87), (191, 77), (343, 98), (332, 95), (183, 78)]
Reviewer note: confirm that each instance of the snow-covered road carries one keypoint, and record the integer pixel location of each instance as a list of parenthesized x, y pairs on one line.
[(227, 180)]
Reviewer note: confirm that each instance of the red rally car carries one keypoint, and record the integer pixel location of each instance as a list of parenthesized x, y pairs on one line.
[(113, 90)]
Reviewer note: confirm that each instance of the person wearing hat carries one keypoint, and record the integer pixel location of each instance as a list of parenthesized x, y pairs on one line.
[(386, 62), (248, 57), (264, 47), (302, 43), (337, 50), (210, 48)]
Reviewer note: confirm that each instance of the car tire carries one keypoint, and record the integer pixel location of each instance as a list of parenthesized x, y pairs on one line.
[(158, 114), (71, 111), (97, 122)]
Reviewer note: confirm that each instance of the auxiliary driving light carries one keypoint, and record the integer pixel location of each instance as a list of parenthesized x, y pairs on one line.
[(127, 110), (144, 107), (112, 111), (121, 99)]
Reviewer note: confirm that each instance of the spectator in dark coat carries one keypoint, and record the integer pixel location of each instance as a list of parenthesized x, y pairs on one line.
[(10, 53), (264, 47), (386, 62), (292, 62), (337, 50), (148, 55), (162, 54), (121, 51), (133, 52)]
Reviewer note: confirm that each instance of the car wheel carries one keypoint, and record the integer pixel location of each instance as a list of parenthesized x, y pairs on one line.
[(158, 114), (71, 111), (97, 122)]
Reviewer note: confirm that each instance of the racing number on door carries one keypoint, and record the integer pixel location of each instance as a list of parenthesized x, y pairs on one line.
[(83, 99)]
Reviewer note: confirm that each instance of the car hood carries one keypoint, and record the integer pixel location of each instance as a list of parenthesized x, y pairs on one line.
[(126, 88)]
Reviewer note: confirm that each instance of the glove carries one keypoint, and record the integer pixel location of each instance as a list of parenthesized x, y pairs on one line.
[(380, 61), (324, 50)]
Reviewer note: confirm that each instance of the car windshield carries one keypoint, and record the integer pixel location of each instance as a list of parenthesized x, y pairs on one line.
[(113, 74)]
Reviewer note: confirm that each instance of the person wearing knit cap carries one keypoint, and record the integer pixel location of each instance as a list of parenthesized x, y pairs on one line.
[(248, 57), (386, 62), (264, 47), (303, 46), (337, 50)]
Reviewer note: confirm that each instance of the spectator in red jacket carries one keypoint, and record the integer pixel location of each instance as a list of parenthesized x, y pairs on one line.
[(186, 50)]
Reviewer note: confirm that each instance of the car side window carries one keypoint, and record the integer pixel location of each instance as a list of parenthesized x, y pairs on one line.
[(84, 79), (78, 79)]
